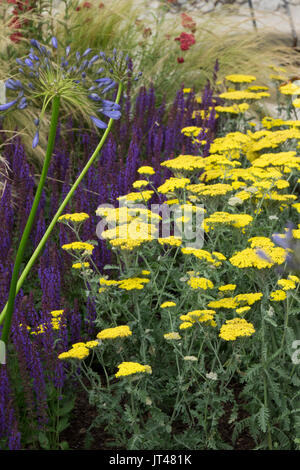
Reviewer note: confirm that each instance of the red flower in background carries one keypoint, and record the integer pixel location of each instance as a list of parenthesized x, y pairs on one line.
[(188, 22), (180, 60), (186, 41)]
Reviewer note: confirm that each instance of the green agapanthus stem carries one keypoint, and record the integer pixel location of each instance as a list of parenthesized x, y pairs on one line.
[(21, 249), (62, 206)]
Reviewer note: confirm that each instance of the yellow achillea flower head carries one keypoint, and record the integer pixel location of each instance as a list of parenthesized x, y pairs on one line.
[(107, 282), (234, 220), (145, 272), (240, 95), (77, 352), (172, 336), (136, 196), (172, 241), (78, 246), (116, 332), (296, 103), (294, 278), (190, 358), (240, 78), (80, 265), (146, 170), (250, 258), (191, 131), (250, 298), (277, 295), (289, 89), (234, 109), (92, 344), (57, 313), (185, 163), (227, 287), (226, 302), (140, 184), (286, 284), (200, 283), (235, 328), (242, 310), (173, 183), (168, 304), (185, 325), (130, 368), (133, 283), (76, 217)]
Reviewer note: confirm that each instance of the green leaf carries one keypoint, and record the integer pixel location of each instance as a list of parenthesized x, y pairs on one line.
[(66, 408), (63, 424), (43, 440), (263, 418), (64, 445)]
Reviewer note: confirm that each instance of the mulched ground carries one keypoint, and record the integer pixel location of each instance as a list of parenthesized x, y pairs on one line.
[(83, 415)]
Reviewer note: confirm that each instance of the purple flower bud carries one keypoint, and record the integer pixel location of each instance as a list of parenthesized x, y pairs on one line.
[(83, 65), (13, 84), (93, 59), (100, 70), (35, 44), (107, 103), (83, 74), (29, 63), (108, 87), (112, 114), (103, 81), (54, 42), (98, 122), (86, 52), (35, 140), (77, 56), (68, 49), (36, 121), (5, 106), (94, 97), (22, 104)]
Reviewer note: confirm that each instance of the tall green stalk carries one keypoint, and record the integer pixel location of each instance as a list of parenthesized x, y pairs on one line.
[(59, 212), (21, 249)]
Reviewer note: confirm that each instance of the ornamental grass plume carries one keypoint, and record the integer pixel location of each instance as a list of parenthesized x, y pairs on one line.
[(54, 79)]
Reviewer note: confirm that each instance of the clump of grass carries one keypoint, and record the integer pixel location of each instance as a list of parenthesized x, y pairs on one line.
[(149, 37)]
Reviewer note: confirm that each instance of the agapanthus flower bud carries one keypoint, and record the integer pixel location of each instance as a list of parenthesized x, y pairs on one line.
[(22, 104), (54, 42), (86, 52), (98, 122), (111, 114), (35, 139), (6, 106), (94, 97), (68, 50), (13, 84), (29, 63)]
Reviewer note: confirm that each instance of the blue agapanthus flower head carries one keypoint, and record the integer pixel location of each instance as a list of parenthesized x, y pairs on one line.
[(75, 77)]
